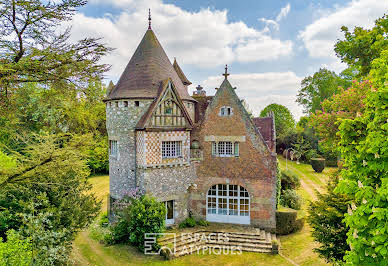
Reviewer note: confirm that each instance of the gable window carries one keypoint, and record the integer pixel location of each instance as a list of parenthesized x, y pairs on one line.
[(226, 111), (113, 147), (171, 149), (225, 149), (168, 110)]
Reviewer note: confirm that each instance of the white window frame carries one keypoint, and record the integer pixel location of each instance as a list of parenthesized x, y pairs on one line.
[(231, 195), (171, 149), (113, 148), (226, 111), (225, 149)]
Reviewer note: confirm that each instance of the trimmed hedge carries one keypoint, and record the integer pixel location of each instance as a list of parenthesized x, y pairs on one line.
[(287, 222), (289, 180), (318, 164)]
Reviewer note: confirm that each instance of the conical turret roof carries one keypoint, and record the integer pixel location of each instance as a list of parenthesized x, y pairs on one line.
[(148, 67)]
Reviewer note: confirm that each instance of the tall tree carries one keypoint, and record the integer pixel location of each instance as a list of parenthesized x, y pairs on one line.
[(364, 148), (284, 121), (46, 195), (318, 87), (35, 50), (362, 46), (345, 104)]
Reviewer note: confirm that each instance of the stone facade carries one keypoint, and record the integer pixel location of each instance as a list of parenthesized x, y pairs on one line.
[(214, 141), (121, 119)]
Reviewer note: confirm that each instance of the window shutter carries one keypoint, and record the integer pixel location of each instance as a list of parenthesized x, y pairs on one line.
[(214, 148), (236, 149)]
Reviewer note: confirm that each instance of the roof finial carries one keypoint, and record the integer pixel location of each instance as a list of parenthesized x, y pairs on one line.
[(226, 74), (149, 18)]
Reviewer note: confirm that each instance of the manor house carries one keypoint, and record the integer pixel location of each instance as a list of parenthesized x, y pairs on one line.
[(200, 155)]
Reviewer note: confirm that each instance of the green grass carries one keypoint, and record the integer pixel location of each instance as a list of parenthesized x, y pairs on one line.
[(297, 247)]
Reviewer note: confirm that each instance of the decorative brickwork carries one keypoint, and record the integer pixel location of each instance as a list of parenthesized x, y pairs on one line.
[(149, 146)]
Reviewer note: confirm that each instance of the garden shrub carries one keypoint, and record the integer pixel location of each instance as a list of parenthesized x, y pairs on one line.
[(142, 215), (318, 164), (311, 154), (287, 222), (202, 222), (289, 180), (100, 230), (291, 199), (16, 250), (188, 222), (326, 218), (104, 220)]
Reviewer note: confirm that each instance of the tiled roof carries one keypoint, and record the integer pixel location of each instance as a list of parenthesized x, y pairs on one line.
[(180, 73), (265, 126), (143, 75)]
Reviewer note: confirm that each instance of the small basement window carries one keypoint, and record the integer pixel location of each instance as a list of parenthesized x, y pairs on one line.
[(137, 103)]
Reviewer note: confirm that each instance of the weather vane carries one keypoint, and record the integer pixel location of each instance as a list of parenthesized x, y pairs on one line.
[(149, 18), (226, 74)]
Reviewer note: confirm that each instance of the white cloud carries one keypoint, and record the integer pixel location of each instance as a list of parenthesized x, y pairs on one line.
[(320, 36), (283, 12), (252, 50), (275, 23), (205, 38), (261, 89)]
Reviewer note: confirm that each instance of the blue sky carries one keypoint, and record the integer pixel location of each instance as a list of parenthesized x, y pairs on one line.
[(270, 46)]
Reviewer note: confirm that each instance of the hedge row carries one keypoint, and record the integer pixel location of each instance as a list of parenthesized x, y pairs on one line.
[(287, 222)]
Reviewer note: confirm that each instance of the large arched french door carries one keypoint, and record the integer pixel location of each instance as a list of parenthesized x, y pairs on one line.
[(227, 204)]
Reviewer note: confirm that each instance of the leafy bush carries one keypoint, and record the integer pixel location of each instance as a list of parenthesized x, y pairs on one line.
[(291, 199), (318, 164), (16, 250), (142, 215), (188, 222), (289, 180), (287, 222), (203, 222), (104, 221), (98, 159), (311, 154)]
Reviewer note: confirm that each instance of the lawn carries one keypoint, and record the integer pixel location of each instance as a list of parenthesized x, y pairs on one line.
[(296, 247)]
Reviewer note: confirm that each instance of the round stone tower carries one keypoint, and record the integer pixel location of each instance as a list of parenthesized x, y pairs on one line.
[(128, 103)]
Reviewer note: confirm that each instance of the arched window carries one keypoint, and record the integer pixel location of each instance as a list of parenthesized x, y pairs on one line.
[(228, 204)]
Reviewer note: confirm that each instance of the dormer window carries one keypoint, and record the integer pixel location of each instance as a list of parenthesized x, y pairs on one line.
[(226, 111)]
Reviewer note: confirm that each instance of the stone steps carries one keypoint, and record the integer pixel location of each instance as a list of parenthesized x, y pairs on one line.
[(186, 243), (260, 235)]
